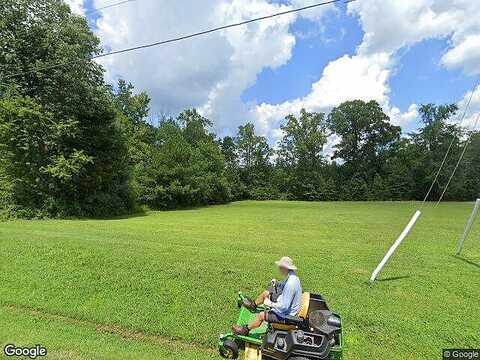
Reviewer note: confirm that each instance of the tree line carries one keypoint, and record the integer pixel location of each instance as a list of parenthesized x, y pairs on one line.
[(71, 145)]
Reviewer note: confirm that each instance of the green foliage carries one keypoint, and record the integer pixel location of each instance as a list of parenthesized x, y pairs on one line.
[(367, 137), (72, 146), (398, 179), (374, 162), (300, 155), (254, 166), (471, 170), (38, 173), (62, 153), (39, 33), (185, 166), (134, 107), (431, 113), (176, 164), (429, 146)]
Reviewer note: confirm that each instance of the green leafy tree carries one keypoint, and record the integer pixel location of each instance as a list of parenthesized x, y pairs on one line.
[(253, 150), (135, 107), (80, 167), (471, 183), (229, 151), (185, 166), (300, 154), (140, 136), (399, 173), (429, 146), (367, 141), (254, 161), (366, 136), (232, 171)]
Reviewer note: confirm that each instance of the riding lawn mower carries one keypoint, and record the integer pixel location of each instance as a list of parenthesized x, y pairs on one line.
[(315, 334)]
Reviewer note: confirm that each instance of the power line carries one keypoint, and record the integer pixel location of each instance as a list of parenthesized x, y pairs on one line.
[(467, 106), (459, 160), (107, 7), (90, 12), (180, 38), (418, 213)]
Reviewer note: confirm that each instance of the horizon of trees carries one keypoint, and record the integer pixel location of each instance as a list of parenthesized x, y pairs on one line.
[(71, 145)]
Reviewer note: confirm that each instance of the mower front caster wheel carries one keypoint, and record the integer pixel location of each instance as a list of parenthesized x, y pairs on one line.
[(229, 349)]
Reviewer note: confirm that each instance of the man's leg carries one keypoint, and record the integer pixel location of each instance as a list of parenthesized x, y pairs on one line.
[(252, 305), (261, 298), (244, 330), (258, 321)]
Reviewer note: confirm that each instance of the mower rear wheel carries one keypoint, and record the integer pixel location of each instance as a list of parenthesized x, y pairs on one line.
[(229, 349)]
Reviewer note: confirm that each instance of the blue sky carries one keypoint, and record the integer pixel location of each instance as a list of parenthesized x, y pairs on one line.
[(316, 45), (418, 78), (399, 53)]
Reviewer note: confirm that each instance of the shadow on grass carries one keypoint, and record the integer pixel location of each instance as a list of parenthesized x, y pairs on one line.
[(118, 217), (469, 262), (143, 211), (394, 278)]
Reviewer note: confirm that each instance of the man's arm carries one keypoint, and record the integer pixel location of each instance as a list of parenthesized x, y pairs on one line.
[(282, 305), (281, 284)]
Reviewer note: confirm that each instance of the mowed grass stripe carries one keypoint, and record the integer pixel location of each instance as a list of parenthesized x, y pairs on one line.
[(176, 274), (173, 344), (67, 338), (304, 231)]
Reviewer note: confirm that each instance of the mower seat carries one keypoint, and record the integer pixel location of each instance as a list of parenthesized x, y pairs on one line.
[(305, 304), (293, 322)]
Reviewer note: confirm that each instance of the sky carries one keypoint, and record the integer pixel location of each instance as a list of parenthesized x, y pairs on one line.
[(401, 53)]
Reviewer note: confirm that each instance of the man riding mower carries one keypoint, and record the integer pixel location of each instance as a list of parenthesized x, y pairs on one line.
[(284, 323)]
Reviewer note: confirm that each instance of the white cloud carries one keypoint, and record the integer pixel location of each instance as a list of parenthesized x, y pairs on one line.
[(474, 108), (389, 25), (329, 149), (265, 44), (175, 75), (76, 6), (315, 13), (211, 72), (406, 119), (347, 78), (465, 55), (208, 72)]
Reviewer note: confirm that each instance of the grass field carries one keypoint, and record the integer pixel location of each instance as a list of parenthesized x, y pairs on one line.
[(163, 285)]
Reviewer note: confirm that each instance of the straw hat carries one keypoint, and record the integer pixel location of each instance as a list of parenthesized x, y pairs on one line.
[(286, 262)]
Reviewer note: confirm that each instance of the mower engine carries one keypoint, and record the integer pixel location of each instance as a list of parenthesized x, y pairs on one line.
[(312, 340)]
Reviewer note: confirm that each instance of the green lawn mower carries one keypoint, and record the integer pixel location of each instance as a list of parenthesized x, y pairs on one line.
[(316, 333)]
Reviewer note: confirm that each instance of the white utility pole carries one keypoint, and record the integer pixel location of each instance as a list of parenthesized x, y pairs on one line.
[(395, 245), (468, 226)]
